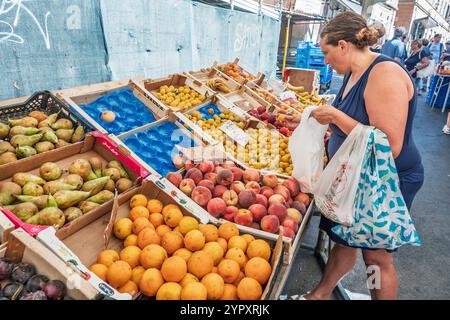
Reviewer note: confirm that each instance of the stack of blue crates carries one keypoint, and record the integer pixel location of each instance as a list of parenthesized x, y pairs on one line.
[(310, 56)]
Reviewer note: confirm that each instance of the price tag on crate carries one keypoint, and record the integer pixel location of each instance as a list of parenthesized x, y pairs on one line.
[(287, 95), (235, 133)]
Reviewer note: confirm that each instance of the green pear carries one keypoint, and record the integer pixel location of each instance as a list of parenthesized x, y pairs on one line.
[(78, 135), (102, 197), (27, 131), (66, 198), (74, 180), (82, 168), (52, 187), (72, 213), (11, 188), (51, 119), (62, 124), (51, 217), (21, 140), (64, 134), (61, 143), (24, 122), (110, 185), (50, 171), (25, 152), (44, 146), (5, 146), (4, 130), (41, 202), (97, 165), (8, 157), (22, 178), (118, 165), (50, 136), (32, 189), (113, 173), (123, 184), (25, 211), (87, 206), (95, 186)]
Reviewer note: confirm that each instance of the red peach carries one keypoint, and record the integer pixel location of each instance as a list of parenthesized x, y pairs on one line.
[(217, 169), (189, 165), (288, 232), (178, 161), (300, 206), (258, 211), (303, 197), (225, 177), (247, 198), (255, 225), (294, 214), (289, 202), (206, 167), (237, 186), (267, 191), (277, 199), (207, 184), (270, 180), (260, 199), (194, 174), (216, 207), (175, 178), (187, 185), (237, 173), (211, 176), (230, 197), (230, 213), (228, 164), (278, 210), (292, 185), (290, 223), (270, 223), (282, 190), (244, 217), (201, 195), (251, 175), (253, 185), (219, 190)]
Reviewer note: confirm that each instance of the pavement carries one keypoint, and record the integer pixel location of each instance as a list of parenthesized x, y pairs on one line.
[(423, 272)]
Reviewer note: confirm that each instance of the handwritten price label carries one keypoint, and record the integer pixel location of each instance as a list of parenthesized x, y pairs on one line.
[(287, 95), (235, 133)]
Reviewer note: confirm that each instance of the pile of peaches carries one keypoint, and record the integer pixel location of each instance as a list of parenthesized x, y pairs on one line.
[(243, 196)]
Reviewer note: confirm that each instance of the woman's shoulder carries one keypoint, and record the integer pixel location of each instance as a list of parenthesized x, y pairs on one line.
[(387, 68)]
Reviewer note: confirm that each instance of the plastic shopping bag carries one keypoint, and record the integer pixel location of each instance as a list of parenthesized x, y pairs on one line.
[(307, 148), (336, 190), (381, 218)]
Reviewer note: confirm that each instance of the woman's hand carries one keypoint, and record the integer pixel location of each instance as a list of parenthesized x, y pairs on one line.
[(325, 114)]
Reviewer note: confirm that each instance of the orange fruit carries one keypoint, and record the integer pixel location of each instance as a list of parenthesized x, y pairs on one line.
[(237, 242), (259, 248), (162, 230), (194, 240), (156, 219), (223, 243), (214, 285), (138, 200), (129, 287), (136, 274), (237, 255), (200, 264), (154, 206), (240, 277), (215, 251), (249, 289), (183, 253), (229, 292), (215, 270), (169, 291), (172, 241), (187, 224), (172, 217), (153, 256), (227, 230), (174, 269), (229, 270), (210, 232), (140, 223), (100, 270), (177, 229), (248, 237), (123, 228), (108, 257), (138, 212), (150, 282), (148, 236), (169, 207), (188, 278), (131, 240), (118, 274), (258, 269), (131, 255), (194, 291)]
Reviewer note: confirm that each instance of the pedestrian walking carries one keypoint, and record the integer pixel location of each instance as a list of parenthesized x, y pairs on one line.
[(436, 48), (395, 48), (446, 128), (445, 56), (345, 42)]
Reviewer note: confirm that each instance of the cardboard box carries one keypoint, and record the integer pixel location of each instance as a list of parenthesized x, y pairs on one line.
[(309, 79), (88, 242), (95, 145), (88, 94), (6, 227)]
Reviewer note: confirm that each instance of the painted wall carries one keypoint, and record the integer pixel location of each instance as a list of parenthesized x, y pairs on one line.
[(54, 44)]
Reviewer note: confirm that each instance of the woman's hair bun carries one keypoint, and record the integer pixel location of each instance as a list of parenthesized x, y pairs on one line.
[(368, 36)]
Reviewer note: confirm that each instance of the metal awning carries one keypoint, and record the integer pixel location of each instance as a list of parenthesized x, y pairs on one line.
[(427, 22), (351, 5), (298, 16), (245, 5)]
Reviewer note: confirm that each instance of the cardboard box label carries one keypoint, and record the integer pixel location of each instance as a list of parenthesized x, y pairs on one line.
[(235, 133)]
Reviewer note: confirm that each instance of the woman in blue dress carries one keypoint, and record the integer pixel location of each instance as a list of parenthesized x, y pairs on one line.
[(376, 91)]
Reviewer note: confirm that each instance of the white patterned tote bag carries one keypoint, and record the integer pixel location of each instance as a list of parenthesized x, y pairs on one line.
[(381, 218)]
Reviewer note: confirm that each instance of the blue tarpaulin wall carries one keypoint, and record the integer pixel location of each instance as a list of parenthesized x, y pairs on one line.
[(55, 44)]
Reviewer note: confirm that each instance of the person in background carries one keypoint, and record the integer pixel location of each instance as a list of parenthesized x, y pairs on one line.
[(424, 82), (425, 46), (414, 59), (436, 48), (446, 54), (395, 48)]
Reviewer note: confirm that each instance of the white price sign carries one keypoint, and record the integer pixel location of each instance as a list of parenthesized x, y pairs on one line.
[(287, 95), (235, 133)]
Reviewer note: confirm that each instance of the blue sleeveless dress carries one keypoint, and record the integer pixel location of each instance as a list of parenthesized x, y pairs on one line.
[(409, 161)]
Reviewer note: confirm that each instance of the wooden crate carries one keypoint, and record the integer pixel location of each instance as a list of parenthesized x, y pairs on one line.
[(88, 94), (258, 78), (6, 227), (309, 79), (204, 75)]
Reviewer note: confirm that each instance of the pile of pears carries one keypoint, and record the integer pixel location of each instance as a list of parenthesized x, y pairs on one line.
[(56, 196), (36, 133)]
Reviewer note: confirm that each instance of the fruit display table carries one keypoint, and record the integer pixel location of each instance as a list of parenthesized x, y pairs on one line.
[(439, 91)]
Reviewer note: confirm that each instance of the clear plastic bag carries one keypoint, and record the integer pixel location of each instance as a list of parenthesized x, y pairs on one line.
[(336, 189), (306, 146)]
